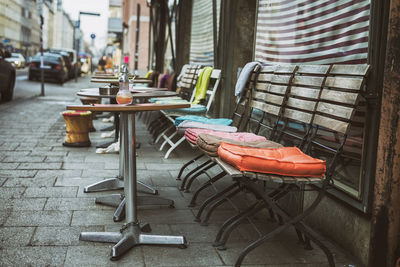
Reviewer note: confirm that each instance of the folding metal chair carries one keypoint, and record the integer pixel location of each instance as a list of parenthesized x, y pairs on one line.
[(169, 139)]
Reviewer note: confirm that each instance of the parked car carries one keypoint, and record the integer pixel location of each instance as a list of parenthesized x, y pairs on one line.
[(73, 57), (7, 77), (53, 65), (67, 60), (17, 60)]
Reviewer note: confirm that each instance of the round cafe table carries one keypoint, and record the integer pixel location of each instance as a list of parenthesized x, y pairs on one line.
[(115, 81), (137, 93), (130, 234)]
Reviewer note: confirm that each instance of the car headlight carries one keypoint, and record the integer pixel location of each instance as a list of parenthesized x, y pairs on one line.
[(16, 62)]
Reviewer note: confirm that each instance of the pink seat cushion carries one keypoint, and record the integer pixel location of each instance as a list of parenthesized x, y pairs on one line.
[(288, 161), (192, 134)]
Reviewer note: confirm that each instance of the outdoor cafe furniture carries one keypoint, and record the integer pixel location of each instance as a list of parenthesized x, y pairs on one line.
[(116, 200), (130, 234), (315, 113), (77, 125)]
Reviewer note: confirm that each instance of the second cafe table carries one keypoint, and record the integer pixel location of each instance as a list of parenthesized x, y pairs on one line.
[(130, 234)]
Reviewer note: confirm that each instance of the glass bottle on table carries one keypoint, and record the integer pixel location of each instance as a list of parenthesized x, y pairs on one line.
[(124, 96)]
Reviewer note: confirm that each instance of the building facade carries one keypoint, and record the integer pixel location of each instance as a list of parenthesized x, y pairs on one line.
[(20, 26)]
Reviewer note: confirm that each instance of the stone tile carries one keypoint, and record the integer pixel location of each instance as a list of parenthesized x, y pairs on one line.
[(9, 146), (24, 159), (272, 252), (59, 173), (87, 218), (12, 193), (3, 216), (8, 166), (196, 254), (51, 191), (18, 173), (23, 204), (316, 255), (170, 216), (33, 256), (15, 153), (30, 182), (95, 173), (39, 218), (163, 166), (39, 166), (74, 204), (99, 256), (101, 157), (48, 153), (82, 166), (15, 236), (64, 159), (196, 233), (61, 236), (112, 165), (157, 178), (76, 181)]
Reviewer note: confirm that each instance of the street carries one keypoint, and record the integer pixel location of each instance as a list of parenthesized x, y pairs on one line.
[(26, 89)]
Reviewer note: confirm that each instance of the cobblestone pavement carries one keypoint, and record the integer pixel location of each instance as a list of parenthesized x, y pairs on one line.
[(43, 208)]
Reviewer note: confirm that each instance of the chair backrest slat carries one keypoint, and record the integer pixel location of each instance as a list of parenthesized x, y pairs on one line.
[(349, 83), (344, 97), (352, 70), (331, 124), (296, 115), (335, 110)]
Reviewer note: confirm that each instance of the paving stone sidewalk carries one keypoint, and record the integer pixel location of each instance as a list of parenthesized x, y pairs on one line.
[(43, 208)]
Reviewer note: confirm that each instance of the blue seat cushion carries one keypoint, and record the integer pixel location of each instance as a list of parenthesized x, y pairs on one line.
[(194, 109), (221, 121)]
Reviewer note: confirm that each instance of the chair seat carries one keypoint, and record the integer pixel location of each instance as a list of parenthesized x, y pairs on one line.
[(167, 99), (194, 109), (192, 134), (209, 143), (220, 121), (194, 125), (288, 161)]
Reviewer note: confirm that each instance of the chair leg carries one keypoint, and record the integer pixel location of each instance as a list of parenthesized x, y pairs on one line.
[(197, 169), (258, 242), (189, 184), (296, 220), (229, 221), (204, 186), (212, 198), (217, 204), (229, 229), (187, 164), (168, 139), (163, 133), (311, 235), (172, 148)]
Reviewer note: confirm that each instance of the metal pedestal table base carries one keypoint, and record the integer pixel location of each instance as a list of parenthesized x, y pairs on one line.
[(130, 236), (117, 183), (119, 201)]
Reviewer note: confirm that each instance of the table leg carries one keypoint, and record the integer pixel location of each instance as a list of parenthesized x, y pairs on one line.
[(130, 235), (117, 182)]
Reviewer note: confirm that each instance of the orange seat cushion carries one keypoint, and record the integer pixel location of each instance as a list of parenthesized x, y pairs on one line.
[(288, 161)]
